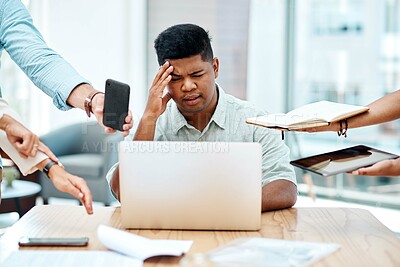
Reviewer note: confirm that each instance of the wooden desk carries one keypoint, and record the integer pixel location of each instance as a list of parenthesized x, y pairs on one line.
[(365, 241)]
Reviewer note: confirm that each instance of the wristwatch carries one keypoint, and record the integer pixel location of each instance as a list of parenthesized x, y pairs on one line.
[(88, 101), (46, 168)]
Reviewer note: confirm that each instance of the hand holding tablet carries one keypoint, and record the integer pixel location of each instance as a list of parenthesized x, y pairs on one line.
[(344, 160)]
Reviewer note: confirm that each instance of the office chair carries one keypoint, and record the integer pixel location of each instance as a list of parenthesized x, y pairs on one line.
[(86, 151)]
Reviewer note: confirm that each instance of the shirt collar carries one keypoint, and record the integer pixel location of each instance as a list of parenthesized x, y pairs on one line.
[(178, 121)]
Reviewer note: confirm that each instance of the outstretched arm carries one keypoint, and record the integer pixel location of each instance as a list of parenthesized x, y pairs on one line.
[(390, 167), (61, 179), (384, 109), (44, 67), (68, 183)]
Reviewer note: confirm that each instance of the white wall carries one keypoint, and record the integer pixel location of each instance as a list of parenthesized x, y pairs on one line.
[(265, 74), (101, 39)]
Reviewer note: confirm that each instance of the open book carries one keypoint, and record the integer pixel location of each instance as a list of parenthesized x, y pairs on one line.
[(312, 115)]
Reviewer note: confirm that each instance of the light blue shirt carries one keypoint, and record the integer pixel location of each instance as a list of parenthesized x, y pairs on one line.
[(228, 125), (23, 42)]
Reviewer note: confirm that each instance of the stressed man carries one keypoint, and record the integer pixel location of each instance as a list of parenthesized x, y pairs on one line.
[(201, 111)]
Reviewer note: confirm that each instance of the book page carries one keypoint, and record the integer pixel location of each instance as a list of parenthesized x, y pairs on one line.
[(311, 115), (67, 258), (140, 247), (326, 111), (286, 121)]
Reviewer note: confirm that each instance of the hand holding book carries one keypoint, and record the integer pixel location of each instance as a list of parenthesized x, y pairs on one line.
[(306, 118)]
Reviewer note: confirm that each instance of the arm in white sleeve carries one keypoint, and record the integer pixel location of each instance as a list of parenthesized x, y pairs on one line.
[(26, 166)]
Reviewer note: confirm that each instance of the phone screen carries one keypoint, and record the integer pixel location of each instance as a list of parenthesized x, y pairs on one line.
[(53, 241)]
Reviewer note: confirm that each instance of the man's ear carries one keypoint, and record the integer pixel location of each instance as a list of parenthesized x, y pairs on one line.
[(215, 64)]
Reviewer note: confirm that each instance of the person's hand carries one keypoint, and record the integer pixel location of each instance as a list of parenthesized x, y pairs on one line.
[(333, 127), (157, 103), (74, 185), (98, 107), (389, 167), (26, 142)]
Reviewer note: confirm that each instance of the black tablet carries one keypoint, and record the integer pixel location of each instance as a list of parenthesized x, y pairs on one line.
[(343, 160)]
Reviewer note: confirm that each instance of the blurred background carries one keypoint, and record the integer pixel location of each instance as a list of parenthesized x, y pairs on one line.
[(279, 54)]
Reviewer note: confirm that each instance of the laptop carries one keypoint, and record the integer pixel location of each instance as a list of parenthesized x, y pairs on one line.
[(190, 185), (343, 160)]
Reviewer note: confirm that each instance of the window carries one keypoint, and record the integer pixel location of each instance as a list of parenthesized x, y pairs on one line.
[(348, 51)]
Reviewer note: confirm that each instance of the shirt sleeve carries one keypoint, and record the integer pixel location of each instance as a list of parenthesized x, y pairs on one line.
[(275, 156), (26, 46)]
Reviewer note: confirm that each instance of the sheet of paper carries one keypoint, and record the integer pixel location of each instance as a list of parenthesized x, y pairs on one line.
[(140, 247), (257, 252), (68, 258)]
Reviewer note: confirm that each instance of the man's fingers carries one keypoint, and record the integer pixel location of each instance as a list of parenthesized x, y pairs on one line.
[(164, 80), (166, 98), (128, 123), (160, 72), (86, 197), (46, 150), (21, 150), (129, 118), (23, 155), (79, 189), (25, 144), (73, 190), (109, 130)]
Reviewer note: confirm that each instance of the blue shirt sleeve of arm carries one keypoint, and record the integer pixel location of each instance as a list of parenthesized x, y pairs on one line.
[(26, 46)]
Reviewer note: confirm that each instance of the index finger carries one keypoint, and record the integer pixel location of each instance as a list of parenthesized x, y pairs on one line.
[(46, 150), (162, 75), (87, 197)]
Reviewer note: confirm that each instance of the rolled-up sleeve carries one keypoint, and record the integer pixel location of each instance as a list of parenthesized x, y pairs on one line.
[(46, 69)]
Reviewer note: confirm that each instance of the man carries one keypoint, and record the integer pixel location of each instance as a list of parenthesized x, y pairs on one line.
[(201, 111)]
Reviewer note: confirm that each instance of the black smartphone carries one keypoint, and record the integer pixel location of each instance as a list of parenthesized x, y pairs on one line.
[(53, 241), (116, 104)]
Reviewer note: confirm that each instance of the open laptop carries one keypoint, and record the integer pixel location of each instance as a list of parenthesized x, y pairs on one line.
[(190, 185)]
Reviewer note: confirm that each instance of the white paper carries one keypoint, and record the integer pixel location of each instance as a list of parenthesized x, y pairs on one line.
[(68, 258), (140, 247), (265, 252)]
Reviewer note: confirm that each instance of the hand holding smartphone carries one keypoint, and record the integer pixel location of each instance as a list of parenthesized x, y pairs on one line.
[(116, 104), (53, 241)]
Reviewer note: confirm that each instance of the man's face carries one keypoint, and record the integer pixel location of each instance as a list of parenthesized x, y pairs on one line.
[(192, 86)]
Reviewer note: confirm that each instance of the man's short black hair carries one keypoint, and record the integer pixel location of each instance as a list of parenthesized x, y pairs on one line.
[(181, 41)]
